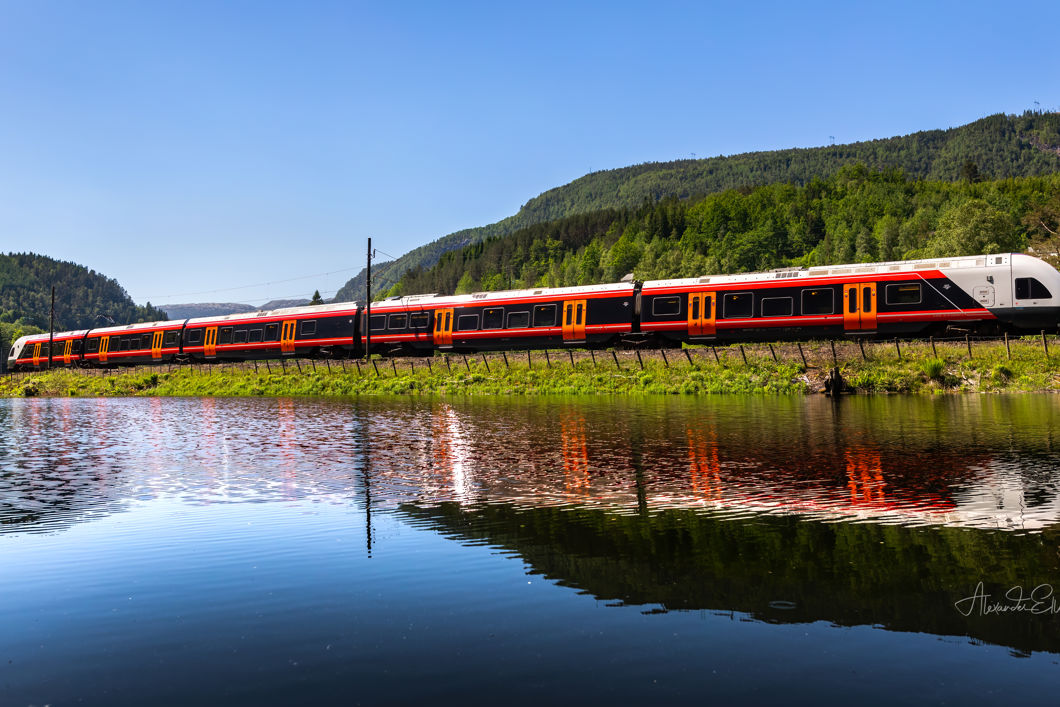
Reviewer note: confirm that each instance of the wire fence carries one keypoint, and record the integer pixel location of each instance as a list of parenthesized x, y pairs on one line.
[(810, 354)]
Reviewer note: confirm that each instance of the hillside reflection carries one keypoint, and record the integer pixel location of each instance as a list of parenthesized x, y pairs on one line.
[(881, 511)]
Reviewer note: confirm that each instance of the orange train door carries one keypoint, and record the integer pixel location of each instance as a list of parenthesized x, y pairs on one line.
[(701, 311), (859, 306), (209, 342), (66, 351), (287, 336), (443, 327), (574, 320), (104, 348), (156, 346), (36, 354)]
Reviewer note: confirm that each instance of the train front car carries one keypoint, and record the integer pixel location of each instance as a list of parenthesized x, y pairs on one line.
[(30, 353), (1024, 294)]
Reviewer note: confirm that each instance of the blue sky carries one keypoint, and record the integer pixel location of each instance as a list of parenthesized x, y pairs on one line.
[(186, 148)]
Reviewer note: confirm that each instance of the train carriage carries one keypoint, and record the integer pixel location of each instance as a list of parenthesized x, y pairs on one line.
[(517, 319), (31, 352), (983, 294), (325, 330), (133, 344)]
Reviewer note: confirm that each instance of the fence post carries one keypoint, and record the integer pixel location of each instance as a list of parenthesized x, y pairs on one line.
[(688, 356), (466, 364), (505, 356), (1008, 351), (773, 353), (665, 361), (529, 363), (802, 355), (393, 365), (1045, 344), (615, 356), (570, 354), (861, 345), (487, 363), (548, 362), (743, 354), (899, 348), (968, 340), (375, 367), (639, 359), (429, 368), (835, 361), (593, 354), (934, 351), (715, 350), (448, 365)]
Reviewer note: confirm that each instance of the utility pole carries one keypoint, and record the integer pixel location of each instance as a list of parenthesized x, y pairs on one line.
[(368, 305), (51, 332)]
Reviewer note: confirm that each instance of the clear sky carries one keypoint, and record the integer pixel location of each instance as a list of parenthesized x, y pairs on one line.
[(185, 148)]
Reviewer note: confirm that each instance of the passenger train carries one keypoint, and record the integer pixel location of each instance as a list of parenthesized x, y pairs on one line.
[(984, 294)]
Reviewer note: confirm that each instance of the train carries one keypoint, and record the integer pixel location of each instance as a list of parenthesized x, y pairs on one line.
[(982, 295)]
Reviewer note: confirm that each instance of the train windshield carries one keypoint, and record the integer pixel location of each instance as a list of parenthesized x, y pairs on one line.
[(1031, 288)]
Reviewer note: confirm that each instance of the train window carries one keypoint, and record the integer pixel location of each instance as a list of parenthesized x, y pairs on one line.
[(1031, 288), (777, 306), (545, 315), (420, 320), (76, 349), (666, 306), (169, 339), (308, 327), (124, 343), (378, 322), (44, 351), (255, 335), (518, 320), (145, 341), (224, 335), (399, 321), (818, 302), (903, 294), (92, 346), (738, 305), (240, 336), (194, 336), (467, 322), (493, 318)]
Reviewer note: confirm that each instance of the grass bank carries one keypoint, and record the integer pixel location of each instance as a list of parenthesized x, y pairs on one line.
[(784, 368)]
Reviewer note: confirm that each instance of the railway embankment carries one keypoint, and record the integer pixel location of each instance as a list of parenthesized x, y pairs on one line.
[(1030, 364)]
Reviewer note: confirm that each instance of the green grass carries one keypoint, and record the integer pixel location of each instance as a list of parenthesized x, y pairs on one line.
[(922, 369)]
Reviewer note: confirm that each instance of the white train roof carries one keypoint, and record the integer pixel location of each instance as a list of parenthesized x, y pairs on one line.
[(435, 300), (44, 337), (286, 312), (972, 261), (137, 326)]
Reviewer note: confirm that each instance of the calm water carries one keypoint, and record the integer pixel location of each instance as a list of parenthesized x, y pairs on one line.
[(201, 551)]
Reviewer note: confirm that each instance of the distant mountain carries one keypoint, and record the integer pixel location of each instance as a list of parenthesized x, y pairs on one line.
[(995, 147), (83, 297), (219, 309)]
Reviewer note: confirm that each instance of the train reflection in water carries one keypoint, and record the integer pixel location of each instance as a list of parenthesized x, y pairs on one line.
[(880, 511)]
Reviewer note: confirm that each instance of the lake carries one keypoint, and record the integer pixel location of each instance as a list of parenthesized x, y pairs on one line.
[(514, 550)]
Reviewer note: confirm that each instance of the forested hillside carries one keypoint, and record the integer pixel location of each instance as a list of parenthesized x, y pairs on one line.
[(81, 294), (856, 215), (995, 147)]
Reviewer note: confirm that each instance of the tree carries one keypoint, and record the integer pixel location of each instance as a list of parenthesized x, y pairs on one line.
[(972, 227), (317, 299)]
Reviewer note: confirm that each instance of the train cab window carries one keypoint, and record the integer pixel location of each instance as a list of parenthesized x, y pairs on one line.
[(224, 335), (777, 306), (666, 306), (420, 320), (467, 322), (194, 336), (818, 301), (92, 346), (1031, 288), (255, 335), (493, 318), (738, 305), (518, 320), (398, 321), (308, 327), (169, 339), (545, 315), (239, 336), (903, 294), (378, 322)]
